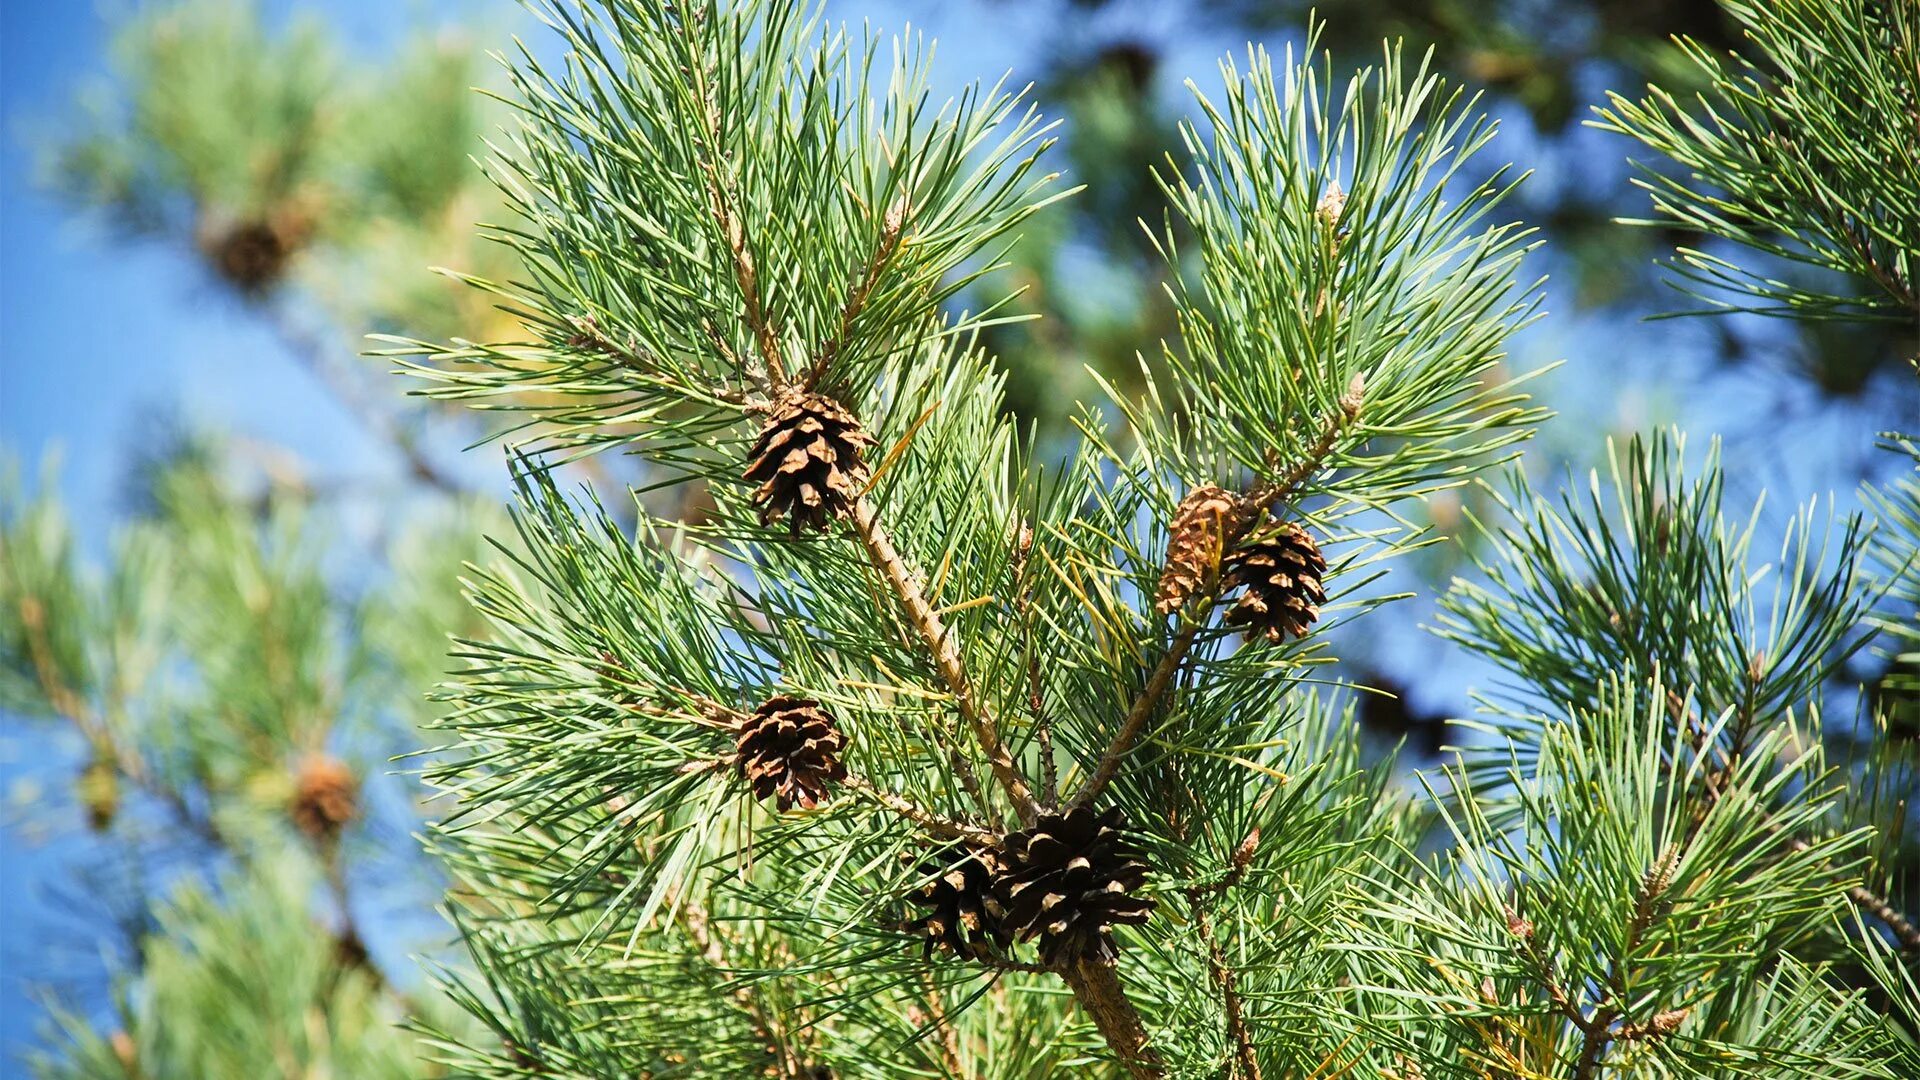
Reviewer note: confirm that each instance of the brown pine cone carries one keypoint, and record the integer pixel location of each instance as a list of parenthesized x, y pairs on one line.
[(807, 462), (1282, 575), (790, 749), (962, 913), (326, 798), (1069, 880), (1195, 541)]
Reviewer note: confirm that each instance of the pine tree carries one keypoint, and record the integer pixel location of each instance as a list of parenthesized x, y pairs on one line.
[(1649, 866), (917, 753)]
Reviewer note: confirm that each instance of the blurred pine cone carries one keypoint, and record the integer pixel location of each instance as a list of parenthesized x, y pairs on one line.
[(326, 798)]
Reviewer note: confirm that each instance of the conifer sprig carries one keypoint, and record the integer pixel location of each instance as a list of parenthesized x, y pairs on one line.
[(717, 201), (1802, 150)]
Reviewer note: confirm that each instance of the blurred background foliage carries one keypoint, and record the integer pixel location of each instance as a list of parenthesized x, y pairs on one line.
[(227, 678)]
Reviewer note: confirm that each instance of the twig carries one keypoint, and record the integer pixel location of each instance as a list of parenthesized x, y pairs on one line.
[(1248, 513), (1036, 699), (1098, 990), (94, 727), (942, 827), (1596, 1033), (1874, 904), (946, 655), (1043, 734), (1866, 899), (765, 1022), (891, 228), (1247, 1063), (949, 1042), (308, 352), (1008, 963), (720, 199), (588, 335)]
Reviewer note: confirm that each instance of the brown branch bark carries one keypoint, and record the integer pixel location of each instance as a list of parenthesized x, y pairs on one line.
[(942, 827), (1098, 990)]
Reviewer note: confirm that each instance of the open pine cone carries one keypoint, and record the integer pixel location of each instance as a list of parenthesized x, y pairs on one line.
[(790, 749), (1282, 577), (962, 915), (807, 462), (1069, 880), (1195, 541), (326, 798)]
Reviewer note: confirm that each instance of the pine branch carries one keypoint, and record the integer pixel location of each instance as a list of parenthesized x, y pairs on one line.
[(1036, 698), (767, 1022), (942, 827), (941, 1023), (1251, 509), (1596, 1030), (93, 727), (1862, 897), (892, 227), (721, 201), (945, 653), (1099, 991)]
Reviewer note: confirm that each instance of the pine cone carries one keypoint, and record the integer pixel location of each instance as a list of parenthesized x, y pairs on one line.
[(963, 915), (790, 749), (807, 462), (253, 254), (1068, 880), (1194, 544), (1282, 575), (326, 799)]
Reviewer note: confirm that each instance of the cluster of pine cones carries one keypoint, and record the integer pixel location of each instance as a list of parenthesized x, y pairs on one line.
[(1066, 880), (1280, 572)]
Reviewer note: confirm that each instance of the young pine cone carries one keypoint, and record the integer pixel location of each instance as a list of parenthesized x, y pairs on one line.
[(962, 915), (790, 749), (326, 798), (1195, 541), (1282, 577), (1069, 880), (807, 462)]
